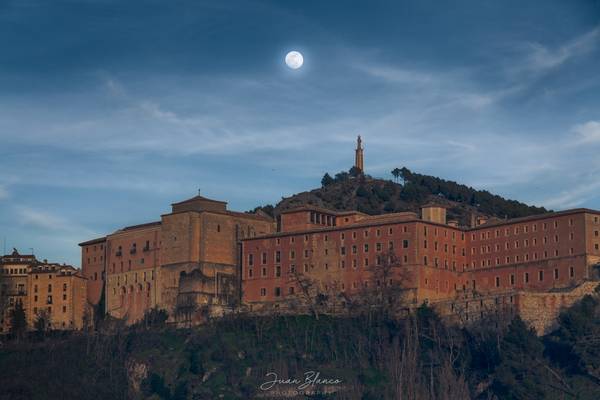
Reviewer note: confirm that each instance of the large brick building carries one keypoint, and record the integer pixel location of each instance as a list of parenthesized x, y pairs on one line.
[(436, 261), (187, 260)]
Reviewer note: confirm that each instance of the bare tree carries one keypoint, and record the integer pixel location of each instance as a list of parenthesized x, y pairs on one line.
[(308, 291), (4, 306), (185, 309), (42, 322), (388, 287)]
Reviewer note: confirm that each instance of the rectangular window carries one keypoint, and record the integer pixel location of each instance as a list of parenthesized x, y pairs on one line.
[(263, 292), (555, 273), (250, 259), (264, 258), (541, 276), (366, 248), (497, 281), (278, 256), (277, 292), (571, 272), (343, 250)]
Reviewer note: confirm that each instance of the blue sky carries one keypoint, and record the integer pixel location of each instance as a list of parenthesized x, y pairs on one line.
[(111, 110)]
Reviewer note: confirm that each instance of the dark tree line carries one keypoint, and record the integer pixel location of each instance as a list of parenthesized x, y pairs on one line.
[(416, 357)]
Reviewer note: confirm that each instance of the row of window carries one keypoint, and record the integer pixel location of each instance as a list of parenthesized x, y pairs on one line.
[(135, 278), (540, 277), (277, 292), (49, 298), (516, 244), (518, 258), (123, 290), (521, 229), (306, 268), (13, 271), (94, 258), (35, 288), (49, 308), (354, 235), (307, 252), (133, 249), (87, 249), (141, 261)]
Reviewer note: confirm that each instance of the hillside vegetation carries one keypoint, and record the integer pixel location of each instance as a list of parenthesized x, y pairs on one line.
[(373, 357), (355, 191)]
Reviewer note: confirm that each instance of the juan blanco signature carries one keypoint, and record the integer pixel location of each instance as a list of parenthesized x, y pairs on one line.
[(311, 378)]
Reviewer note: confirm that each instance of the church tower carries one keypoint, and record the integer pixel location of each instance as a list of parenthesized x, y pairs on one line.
[(359, 158)]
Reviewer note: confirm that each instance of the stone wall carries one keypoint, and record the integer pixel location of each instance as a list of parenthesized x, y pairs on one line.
[(541, 310)]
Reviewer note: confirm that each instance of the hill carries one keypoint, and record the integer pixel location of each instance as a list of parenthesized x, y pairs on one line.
[(354, 191), (372, 357)]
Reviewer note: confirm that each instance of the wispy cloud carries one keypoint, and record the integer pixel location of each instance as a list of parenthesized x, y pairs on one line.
[(587, 133), (575, 196), (44, 220), (3, 192), (544, 57), (397, 75)]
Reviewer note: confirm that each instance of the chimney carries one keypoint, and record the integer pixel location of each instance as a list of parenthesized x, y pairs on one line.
[(434, 213)]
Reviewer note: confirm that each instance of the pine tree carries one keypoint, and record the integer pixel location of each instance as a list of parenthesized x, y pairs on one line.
[(396, 173), (327, 180)]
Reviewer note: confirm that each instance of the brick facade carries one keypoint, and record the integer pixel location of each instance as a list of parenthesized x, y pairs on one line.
[(56, 292), (439, 262), (187, 260)]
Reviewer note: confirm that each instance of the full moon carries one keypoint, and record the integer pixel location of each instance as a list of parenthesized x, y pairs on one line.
[(294, 59)]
